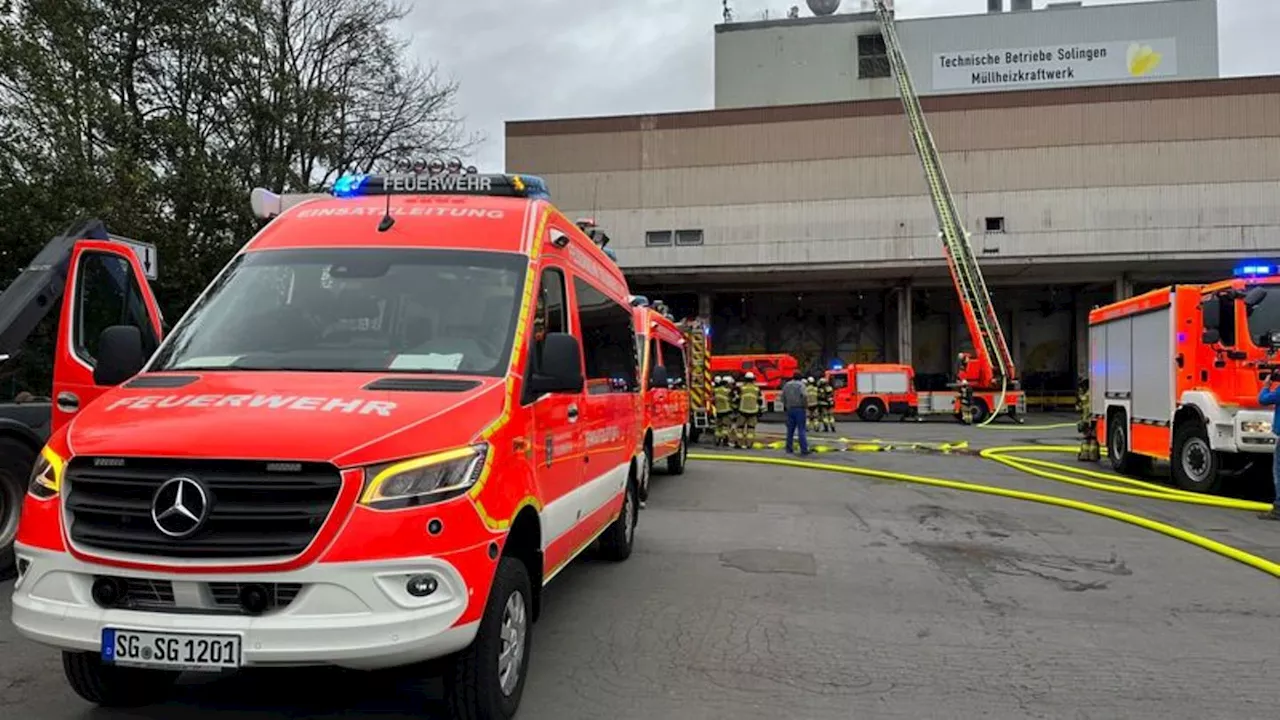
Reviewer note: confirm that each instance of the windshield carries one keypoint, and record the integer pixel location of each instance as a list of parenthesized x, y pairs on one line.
[(407, 310), (1264, 317)]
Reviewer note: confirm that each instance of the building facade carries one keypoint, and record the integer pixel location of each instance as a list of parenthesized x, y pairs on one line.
[(842, 56), (808, 229)]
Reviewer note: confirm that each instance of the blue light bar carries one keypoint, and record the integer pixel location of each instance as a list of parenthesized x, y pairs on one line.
[(1255, 270), (441, 183)]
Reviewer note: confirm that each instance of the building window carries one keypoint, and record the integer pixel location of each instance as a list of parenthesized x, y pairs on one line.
[(688, 237), (995, 224), (873, 59), (657, 238)]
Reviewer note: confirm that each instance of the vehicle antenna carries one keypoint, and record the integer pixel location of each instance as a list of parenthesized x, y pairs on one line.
[(387, 221)]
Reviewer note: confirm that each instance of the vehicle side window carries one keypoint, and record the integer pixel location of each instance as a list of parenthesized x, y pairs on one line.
[(673, 360), (654, 358), (108, 294), (1220, 316), (839, 381), (608, 342), (550, 315)]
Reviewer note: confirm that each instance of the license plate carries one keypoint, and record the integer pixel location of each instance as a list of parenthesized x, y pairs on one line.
[(177, 651)]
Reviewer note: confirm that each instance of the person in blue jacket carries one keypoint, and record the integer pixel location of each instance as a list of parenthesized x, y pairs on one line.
[(1270, 395)]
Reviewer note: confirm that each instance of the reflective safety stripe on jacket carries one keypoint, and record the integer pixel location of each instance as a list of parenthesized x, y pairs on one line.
[(749, 399), (811, 395), (722, 404)]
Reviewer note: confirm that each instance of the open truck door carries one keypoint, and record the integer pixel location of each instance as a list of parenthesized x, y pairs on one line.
[(106, 292)]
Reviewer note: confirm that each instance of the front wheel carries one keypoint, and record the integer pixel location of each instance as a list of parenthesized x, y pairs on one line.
[(113, 686), (488, 677), (1194, 465)]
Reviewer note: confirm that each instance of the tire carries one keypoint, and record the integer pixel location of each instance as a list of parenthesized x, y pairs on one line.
[(1194, 465), (980, 411), (646, 470), (675, 463), (115, 687), (871, 411), (475, 685), (16, 460), (618, 539), (1122, 461)]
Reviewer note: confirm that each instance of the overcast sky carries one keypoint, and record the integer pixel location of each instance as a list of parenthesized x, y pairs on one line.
[(564, 58)]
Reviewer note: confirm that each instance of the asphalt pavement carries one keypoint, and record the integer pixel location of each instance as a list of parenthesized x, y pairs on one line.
[(766, 592)]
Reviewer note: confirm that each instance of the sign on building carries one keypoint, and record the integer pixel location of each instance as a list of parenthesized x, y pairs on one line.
[(1063, 64)]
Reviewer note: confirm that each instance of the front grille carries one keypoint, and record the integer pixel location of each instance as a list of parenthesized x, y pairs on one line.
[(255, 509), (143, 594), (226, 595)]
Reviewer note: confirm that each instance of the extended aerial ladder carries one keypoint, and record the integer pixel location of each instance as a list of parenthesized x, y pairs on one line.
[(991, 370)]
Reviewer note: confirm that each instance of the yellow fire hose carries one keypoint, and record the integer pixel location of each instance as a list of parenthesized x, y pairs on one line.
[(1055, 471), (1259, 563)]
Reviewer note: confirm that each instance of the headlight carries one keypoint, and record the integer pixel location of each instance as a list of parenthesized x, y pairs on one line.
[(46, 475), (424, 480), (1256, 426)]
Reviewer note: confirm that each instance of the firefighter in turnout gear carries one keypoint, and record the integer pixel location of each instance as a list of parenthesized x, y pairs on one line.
[(966, 402), (811, 403), (748, 405), (1088, 425), (723, 405), (826, 404)]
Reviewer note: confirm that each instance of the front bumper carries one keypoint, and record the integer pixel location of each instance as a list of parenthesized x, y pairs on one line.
[(354, 615)]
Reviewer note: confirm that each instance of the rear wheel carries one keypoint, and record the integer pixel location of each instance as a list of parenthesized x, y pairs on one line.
[(617, 540), (1194, 465), (645, 465), (16, 461), (487, 678), (1122, 460), (675, 463), (114, 686), (871, 410)]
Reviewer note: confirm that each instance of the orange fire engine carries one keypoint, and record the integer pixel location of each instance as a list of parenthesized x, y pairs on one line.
[(1175, 374)]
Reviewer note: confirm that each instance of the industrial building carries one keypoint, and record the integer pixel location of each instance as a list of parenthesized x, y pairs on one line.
[(806, 228)]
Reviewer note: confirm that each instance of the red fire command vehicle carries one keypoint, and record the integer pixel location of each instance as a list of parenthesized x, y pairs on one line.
[(392, 418), (771, 371), (664, 372), (873, 390), (1175, 374)]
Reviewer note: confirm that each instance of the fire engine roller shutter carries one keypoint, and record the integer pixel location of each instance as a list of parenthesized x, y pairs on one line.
[(1152, 366)]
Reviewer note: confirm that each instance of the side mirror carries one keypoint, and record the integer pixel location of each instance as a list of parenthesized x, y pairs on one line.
[(561, 367), (1211, 336), (120, 355), (658, 377), (1255, 297)]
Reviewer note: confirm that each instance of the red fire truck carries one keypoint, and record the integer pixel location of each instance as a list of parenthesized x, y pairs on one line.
[(873, 390), (1175, 374), (771, 371)]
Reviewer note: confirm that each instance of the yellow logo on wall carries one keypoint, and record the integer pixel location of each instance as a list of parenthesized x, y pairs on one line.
[(1142, 59)]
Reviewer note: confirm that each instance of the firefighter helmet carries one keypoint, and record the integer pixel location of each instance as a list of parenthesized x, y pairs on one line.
[(749, 377)]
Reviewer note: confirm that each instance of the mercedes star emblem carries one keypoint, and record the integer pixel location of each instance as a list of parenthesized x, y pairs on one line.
[(179, 507)]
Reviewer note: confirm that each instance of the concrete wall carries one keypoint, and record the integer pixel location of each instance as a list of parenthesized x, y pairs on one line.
[(813, 60)]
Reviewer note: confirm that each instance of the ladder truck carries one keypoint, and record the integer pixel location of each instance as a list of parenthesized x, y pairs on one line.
[(986, 381)]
